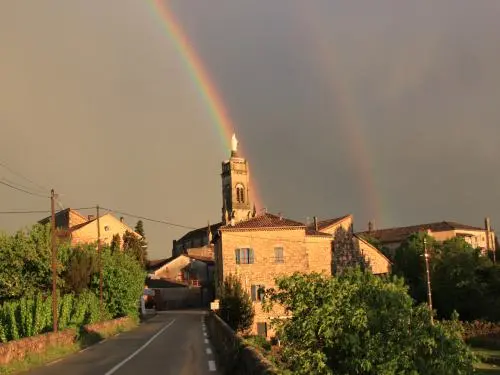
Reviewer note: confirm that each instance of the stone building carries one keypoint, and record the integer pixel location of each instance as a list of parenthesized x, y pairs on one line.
[(258, 248), (79, 229), (392, 238)]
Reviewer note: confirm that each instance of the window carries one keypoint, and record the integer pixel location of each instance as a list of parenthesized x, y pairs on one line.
[(258, 292), (278, 255), (106, 228), (262, 329), (240, 193), (244, 256)]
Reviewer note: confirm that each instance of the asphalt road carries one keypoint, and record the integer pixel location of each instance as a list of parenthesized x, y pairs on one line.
[(170, 343)]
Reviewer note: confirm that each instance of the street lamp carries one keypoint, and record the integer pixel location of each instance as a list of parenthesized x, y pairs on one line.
[(429, 294)]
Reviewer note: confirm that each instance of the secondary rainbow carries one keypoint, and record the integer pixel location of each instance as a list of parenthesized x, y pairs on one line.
[(201, 78), (349, 114)]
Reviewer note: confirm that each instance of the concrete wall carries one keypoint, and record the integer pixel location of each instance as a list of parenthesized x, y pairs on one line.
[(235, 357)]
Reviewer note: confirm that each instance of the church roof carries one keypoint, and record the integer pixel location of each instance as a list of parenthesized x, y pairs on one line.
[(197, 233), (264, 221), (401, 233)]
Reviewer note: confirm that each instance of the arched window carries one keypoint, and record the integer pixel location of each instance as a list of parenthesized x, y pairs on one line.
[(240, 193)]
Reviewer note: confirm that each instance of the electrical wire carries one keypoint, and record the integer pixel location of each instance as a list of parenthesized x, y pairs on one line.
[(149, 219), (23, 190), (40, 187)]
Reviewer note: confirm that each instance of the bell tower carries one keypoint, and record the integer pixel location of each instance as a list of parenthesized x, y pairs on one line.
[(235, 187)]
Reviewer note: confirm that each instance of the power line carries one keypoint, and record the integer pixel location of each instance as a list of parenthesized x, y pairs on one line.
[(149, 219), (40, 187), (37, 211), (23, 190)]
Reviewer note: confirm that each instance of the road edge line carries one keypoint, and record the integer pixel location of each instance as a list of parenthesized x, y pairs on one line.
[(113, 370)]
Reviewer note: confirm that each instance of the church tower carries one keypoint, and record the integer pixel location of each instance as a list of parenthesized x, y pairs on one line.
[(235, 187)]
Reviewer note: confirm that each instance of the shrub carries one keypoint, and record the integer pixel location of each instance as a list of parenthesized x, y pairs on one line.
[(236, 307), (123, 283), (31, 316), (358, 323)]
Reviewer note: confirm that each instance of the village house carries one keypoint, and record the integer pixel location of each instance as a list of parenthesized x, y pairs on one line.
[(80, 229), (392, 238)]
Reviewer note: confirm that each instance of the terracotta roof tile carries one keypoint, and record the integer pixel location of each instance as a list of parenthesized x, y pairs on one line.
[(329, 222), (265, 221), (401, 233), (313, 232)]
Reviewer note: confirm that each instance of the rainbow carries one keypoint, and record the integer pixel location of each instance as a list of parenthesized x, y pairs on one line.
[(350, 116), (201, 78)]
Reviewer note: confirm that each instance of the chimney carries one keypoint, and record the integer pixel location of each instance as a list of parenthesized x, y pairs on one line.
[(90, 217), (232, 222), (280, 215), (315, 223), (121, 219), (370, 226), (487, 227)]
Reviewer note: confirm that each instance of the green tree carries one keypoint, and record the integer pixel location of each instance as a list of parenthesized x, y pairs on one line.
[(236, 307), (116, 243), (133, 246), (123, 283), (346, 253), (82, 264), (139, 228), (409, 263), (26, 262), (358, 323)]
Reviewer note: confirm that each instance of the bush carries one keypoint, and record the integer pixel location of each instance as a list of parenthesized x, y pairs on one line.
[(31, 316), (236, 307), (123, 283), (359, 323)]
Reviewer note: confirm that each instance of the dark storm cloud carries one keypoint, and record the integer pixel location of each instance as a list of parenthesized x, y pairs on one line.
[(96, 102)]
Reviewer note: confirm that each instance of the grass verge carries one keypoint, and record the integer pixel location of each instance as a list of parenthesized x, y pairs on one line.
[(490, 361), (53, 353)]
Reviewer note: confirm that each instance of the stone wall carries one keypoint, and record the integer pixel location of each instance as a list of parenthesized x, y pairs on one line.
[(16, 350), (109, 325), (235, 357)]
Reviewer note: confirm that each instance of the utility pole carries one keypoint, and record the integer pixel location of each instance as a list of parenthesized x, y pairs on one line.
[(100, 263), (54, 260), (429, 295)]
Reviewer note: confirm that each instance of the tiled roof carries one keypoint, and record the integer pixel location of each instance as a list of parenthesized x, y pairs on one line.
[(265, 221), (401, 233), (197, 233), (313, 232), (157, 263), (327, 223)]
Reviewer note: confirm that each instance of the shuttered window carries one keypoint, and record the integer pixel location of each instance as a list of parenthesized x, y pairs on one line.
[(244, 256), (278, 255)]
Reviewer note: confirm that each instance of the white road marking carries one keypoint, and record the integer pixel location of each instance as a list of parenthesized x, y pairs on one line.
[(54, 362), (209, 351), (206, 341), (211, 366), (205, 334), (113, 370)]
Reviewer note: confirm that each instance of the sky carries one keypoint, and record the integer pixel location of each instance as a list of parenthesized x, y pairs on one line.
[(387, 110)]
